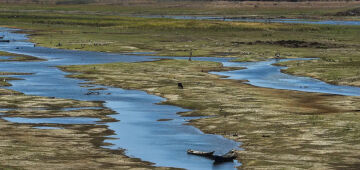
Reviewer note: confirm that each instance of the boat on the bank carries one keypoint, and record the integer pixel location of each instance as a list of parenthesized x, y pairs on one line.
[(200, 153), (228, 157)]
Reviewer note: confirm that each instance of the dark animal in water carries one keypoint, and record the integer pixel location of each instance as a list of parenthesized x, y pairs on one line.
[(180, 86), (200, 153), (190, 55), (4, 40)]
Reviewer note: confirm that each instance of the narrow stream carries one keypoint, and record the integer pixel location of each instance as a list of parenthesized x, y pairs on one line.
[(265, 74), (244, 19)]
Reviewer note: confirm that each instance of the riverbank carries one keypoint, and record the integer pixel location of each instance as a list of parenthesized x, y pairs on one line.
[(278, 128)]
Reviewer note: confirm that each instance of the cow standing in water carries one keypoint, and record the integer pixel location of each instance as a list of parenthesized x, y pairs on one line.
[(190, 55)]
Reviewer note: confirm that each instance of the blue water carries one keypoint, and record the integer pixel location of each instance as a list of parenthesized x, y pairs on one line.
[(55, 120), (5, 109), (47, 127), (6, 58), (265, 74), (296, 21), (240, 19)]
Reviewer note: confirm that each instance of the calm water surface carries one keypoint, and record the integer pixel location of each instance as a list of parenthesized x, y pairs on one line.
[(55, 120), (265, 74)]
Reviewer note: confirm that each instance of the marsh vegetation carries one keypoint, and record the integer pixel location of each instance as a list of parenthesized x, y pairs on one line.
[(278, 128)]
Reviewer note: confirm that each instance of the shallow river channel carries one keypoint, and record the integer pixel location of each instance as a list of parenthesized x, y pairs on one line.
[(244, 19), (138, 131)]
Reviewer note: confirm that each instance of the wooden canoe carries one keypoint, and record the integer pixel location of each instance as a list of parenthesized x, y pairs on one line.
[(228, 157), (200, 153)]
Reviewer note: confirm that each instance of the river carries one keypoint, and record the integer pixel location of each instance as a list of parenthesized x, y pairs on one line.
[(161, 142)]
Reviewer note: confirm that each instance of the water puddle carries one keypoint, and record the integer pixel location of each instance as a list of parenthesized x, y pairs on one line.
[(82, 108), (47, 127), (6, 109), (55, 120)]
